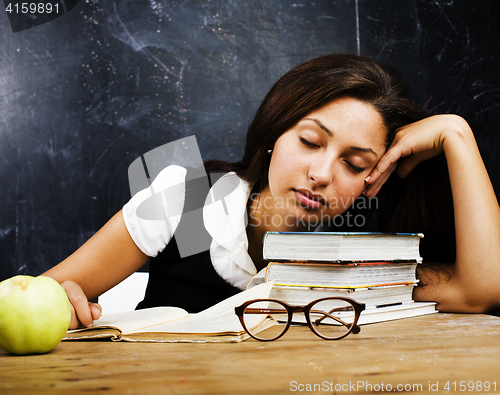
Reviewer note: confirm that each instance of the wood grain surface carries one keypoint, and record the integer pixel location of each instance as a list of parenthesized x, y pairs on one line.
[(419, 354)]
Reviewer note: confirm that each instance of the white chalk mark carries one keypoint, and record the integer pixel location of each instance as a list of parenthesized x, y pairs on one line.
[(358, 39), (441, 9), (139, 46)]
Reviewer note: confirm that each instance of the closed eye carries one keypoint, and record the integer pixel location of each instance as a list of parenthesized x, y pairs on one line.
[(308, 143), (357, 169)]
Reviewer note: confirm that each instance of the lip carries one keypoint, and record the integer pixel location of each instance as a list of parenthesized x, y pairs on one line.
[(310, 200)]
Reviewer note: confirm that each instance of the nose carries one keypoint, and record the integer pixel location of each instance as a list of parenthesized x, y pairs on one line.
[(322, 171)]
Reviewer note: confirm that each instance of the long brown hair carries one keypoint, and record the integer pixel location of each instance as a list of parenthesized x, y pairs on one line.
[(310, 86), (404, 205)]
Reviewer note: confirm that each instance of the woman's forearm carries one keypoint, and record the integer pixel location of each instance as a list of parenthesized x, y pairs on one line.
[(473, 283), (103, 261)]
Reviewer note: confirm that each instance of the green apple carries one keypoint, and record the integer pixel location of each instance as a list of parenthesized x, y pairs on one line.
[(34, 314)]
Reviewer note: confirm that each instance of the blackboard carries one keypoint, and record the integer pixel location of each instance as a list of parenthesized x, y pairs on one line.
[(87, 93)]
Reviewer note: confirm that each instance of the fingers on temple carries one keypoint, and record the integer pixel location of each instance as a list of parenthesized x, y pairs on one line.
[(386, 166), (387, 160), (374, 184)]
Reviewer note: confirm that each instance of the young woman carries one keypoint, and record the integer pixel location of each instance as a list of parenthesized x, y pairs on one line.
[(330, 131)]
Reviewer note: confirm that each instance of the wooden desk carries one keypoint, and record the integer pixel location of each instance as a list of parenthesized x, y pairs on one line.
[(417, 353)]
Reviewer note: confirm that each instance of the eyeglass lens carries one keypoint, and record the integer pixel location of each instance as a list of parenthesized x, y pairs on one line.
[(256, 312), (331, 318)]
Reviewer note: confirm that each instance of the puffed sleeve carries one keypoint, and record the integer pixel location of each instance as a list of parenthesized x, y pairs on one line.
[(152, 215)]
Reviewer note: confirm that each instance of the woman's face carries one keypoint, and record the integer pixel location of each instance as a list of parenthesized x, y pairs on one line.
[(318, 167)]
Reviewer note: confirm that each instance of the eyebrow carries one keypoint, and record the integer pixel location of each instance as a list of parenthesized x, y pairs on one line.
[(328, 131), (318, 122)]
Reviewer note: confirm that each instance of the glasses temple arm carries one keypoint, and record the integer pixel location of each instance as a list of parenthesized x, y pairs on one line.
[(328, 315), (254, 310)]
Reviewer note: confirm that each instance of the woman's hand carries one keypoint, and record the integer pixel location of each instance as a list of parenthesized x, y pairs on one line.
[(82, 311), (412, 144), (470, 284)]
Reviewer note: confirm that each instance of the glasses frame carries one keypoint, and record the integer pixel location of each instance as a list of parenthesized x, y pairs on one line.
[(353, 327)]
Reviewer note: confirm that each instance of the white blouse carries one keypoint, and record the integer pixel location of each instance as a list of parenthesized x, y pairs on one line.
[(225, 220)]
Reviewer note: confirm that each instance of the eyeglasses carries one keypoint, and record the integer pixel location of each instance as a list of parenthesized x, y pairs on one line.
[(329, 318)]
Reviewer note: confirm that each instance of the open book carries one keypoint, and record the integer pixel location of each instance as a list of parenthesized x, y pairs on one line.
[(218, 323)]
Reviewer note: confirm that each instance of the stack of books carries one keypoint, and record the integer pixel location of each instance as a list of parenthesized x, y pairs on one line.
[(377, 269)]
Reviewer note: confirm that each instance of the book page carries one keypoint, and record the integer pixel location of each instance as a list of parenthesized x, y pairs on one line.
[(219, 318), (139, 319)]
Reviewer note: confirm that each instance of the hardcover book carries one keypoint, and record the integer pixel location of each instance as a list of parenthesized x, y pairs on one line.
[(348, 275), (341, 247), (377, 269)]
